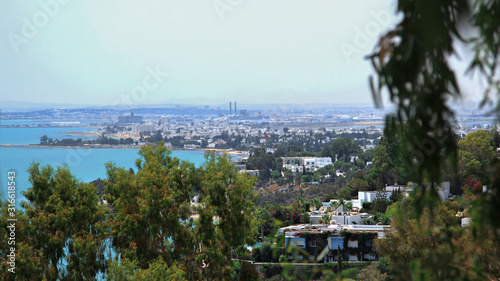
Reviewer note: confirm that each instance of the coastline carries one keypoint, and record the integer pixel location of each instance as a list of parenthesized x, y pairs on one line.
[(108, 146)]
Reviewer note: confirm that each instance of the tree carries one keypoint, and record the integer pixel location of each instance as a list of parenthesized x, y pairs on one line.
[(43, 139), (475, 154), (315, 203), (371, 273), (384, 171), (261, 160), (157, 271), (266, 252), (152, 207), (325, 219), (412, 65), (227, 195), (380, 203), (344, 148), (152, 210), (299, 204), (62, 222), (495, 137), (339, 260), (412, 62), (346, 192), (432, 246)]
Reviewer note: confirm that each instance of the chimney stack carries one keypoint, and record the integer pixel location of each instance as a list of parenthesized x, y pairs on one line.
[(230, 108), (235, 111)]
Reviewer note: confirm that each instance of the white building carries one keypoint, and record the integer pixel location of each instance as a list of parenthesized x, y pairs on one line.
[(137, 129), (368, 196), (310, 164)]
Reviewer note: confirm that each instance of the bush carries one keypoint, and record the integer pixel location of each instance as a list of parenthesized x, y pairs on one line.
[(248, 272), (367, 206), (266, 252), (350, 273)]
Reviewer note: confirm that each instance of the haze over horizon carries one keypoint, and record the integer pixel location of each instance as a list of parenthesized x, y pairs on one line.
[(161, 52)]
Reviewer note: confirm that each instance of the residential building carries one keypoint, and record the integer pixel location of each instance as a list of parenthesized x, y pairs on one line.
[(130, 119), (308, 164), (354, 241)]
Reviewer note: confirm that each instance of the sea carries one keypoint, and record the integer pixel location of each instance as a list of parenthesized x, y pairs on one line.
[(85, 164)]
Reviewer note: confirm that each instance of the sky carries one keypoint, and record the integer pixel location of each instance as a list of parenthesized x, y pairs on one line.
[(120, 52)]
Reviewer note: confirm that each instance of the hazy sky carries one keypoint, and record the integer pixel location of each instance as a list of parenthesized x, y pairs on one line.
[(177, 51)]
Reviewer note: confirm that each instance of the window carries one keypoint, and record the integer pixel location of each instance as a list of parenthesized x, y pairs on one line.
[(335, 242)]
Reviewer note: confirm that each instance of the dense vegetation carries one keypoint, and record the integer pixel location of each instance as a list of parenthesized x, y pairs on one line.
[(64, 232)]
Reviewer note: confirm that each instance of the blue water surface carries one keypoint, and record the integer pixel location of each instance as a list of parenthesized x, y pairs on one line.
[(86, 164)]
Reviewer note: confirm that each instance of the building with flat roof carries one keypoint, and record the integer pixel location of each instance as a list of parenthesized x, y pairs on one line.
[(130, 119), (309, 164)]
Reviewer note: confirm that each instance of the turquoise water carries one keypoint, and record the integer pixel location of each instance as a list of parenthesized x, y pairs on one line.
[(32, 135), (86, 164), (45, 121)]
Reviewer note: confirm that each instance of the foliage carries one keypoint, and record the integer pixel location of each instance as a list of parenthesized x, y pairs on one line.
[(248, 273), (380, 203), (344, 148), (412, 65), (289, 215), (371, 273), (62, 224), (384, 171), (475, 154), (260, 160), (472, 186), (433, 246), (152, 209), (151, 217), (157, 271), (325, 219), (266, 252)]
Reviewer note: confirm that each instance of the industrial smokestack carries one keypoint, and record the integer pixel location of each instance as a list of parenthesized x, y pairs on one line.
[(235, 111), (230, 108)]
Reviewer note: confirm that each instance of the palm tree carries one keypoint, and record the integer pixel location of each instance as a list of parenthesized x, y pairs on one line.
[(299, 202), (315, 202), (325, 219)]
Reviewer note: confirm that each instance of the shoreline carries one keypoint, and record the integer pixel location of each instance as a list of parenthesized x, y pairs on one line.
[(107, 146)]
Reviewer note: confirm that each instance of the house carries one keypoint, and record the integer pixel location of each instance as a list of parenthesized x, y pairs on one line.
[(305, 164), (443, 191), (355, 242), (342, 215)]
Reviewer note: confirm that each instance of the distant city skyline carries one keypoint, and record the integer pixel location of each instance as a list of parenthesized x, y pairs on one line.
[(129, 53)]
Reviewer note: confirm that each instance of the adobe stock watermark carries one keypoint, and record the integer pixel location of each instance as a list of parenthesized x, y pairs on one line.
[(224, 6), (31, 26), (151, 81), (361, 37), (11, 221)]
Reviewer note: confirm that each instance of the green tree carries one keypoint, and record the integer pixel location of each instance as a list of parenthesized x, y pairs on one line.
[(43, 139), (432, 246), (62, 232), (299, 204), (380, 203), (152, 207), (260, 160), (325, 219), (226, 216), (475, 154), (344, 148), (384, 171), (157, 270), (152, 210), (371, 273)]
